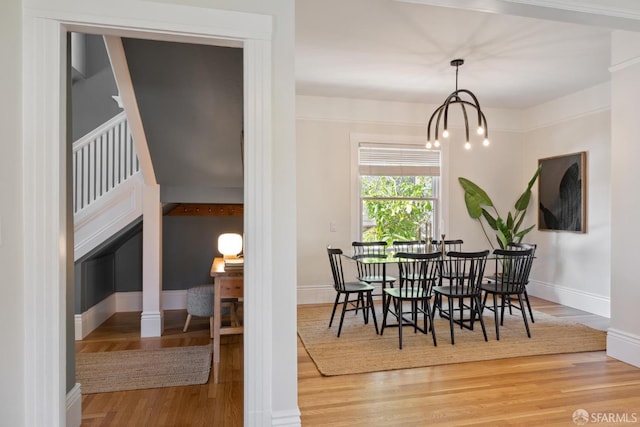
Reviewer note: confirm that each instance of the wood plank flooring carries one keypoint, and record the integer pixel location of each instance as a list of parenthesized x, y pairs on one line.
[(530, 391)]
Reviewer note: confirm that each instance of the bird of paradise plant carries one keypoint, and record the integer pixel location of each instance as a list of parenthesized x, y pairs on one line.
[(507, 231)]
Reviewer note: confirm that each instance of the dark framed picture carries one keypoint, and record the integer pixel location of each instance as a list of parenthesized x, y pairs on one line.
[(562, 193)]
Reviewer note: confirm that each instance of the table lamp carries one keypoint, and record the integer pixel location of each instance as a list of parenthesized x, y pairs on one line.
[(230, 245)]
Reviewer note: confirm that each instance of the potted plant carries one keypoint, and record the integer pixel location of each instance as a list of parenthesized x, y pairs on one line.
[(507, 231)]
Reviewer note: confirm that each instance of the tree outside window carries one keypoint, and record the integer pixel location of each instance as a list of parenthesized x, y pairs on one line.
[(396, 207)]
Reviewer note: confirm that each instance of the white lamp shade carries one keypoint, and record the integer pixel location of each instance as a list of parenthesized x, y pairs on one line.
[(230, 244)]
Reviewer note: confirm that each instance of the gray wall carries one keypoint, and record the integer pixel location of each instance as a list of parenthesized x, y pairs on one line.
[(128, 260), (189, 246), (191, 104), (92, 104)]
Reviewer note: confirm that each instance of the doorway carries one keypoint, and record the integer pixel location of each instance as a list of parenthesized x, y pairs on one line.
[(46, 359)]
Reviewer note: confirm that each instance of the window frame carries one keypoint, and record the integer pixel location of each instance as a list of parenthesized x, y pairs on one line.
[(356, 139)]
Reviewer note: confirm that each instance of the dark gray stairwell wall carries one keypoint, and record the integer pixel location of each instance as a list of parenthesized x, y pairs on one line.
[(189, 245), (92, 102), (191, 104)]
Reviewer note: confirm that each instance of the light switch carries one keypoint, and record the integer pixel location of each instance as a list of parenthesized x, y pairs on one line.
[(332, 227)]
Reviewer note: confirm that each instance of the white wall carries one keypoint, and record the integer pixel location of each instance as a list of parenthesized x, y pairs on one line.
[(11, 237), (623, 339), (324, 127), (574, 268)]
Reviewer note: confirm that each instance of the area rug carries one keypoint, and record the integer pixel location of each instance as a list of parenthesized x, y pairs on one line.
[(360, 350), (141, 369)]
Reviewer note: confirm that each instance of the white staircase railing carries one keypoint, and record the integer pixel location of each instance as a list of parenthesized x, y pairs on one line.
[(108, 184), (102, 160)]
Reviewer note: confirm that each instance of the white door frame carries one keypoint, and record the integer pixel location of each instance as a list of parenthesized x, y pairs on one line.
[(45, 195)]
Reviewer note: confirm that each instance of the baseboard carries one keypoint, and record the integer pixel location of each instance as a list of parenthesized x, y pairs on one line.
[(591, 303), (623, 346), (174, 300), (132, 301), (286, 418), (151, 324), (88, 321), (316, 294), (74, 407)]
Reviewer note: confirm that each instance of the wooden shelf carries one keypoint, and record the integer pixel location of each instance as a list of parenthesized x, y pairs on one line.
[(206, 209)]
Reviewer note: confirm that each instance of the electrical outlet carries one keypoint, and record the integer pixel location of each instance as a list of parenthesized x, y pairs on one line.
[(332, 227)]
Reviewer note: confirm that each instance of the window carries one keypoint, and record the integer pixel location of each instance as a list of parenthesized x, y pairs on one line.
[(399, 190)]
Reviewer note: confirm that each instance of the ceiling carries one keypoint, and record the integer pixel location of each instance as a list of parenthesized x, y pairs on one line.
[(392, 50)]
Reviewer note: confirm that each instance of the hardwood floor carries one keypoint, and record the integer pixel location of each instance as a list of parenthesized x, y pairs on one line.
[(529, 391), (198, 405)]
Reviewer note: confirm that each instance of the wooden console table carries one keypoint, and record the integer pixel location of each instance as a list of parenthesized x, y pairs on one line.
[(227, 284)]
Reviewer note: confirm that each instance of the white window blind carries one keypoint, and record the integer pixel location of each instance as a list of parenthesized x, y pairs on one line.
[(397, 160)]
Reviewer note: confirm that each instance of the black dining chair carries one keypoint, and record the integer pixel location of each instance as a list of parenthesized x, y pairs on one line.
[(507, 283), (525, 246), (358, 294), (410, 246), (444, 247), (418, 273), (462, 285), (451, 245), (372, 273)]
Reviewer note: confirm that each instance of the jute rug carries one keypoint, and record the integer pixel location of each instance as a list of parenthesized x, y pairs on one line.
[(140, 369), (360, 350)]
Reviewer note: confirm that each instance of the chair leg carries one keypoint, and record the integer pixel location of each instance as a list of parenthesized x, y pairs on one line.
[(502, 297), (526, 297), (524, 315), (476, 302), (333, 312), (211, 326), (386, 299), (399, 311), (373, 310), (495, 317), (414, 315), (186, 324), (365, 312), (450, 303), (430, 316), (344, 310)]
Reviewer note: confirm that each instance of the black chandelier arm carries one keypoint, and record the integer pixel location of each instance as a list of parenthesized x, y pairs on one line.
[(482, 121), (437, 111), (451, 99), (476, 102), (466, 120)]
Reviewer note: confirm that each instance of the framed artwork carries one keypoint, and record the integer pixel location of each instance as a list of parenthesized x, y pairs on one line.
[(562, 193)]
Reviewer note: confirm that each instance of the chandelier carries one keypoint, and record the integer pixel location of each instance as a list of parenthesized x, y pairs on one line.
[(457, 97)]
